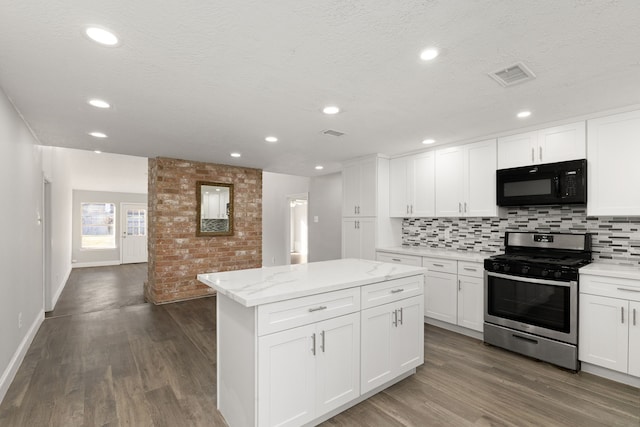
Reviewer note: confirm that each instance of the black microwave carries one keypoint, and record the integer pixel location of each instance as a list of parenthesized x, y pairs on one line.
[(546, 184)]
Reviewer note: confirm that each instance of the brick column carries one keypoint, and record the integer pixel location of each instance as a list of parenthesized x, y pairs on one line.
[(176, 255)]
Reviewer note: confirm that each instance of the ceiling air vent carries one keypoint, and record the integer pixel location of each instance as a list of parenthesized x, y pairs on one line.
[(513, 75), (332, 132)]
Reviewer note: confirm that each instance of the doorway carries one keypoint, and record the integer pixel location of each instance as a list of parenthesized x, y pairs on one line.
[(133, 217), (298, 228)]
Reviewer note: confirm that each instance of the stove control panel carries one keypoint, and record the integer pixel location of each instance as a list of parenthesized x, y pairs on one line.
[(532, 270)]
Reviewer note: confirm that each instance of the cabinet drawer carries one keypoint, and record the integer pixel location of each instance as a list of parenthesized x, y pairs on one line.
[(613, 287), (392, 290), (441, 265), (399, 259), (473, 269), (282, 315)]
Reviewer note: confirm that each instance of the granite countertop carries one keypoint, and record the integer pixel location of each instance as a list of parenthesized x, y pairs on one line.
[(270, 284), (612, 270), (438, 253)]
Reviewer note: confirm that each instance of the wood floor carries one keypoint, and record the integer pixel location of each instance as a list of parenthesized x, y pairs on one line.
[(100, 288), (146, 365)]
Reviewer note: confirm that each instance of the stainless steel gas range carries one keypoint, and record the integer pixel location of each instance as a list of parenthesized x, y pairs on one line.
[(531, 295)]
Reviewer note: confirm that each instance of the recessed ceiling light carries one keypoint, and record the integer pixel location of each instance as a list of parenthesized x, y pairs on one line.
[(98, 134), (271, 139), (99, 103), (523, 114), (102, 36), (428, 141), (236, 154), (97, 151), (319, 167), (429, 54), (331, 109)]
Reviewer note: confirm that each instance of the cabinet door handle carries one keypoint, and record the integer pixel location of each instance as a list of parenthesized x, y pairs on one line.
[(358, 209), (395, 318), (355, 209), (459, 285), (459, 207), (628, 290), (411, 209), (407, 208), (533, 153), (465, 207), (470, 269), (395, 291), (622, 314), (540, 152), (634, 317), (401, 316), (322, 347), (438, 265), (396, 259), (322, 307), (313, 346)]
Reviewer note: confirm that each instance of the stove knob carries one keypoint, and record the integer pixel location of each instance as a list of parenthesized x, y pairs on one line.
[(545, 273), (495, 266), (506, 268), (557, 274), (525, 269)]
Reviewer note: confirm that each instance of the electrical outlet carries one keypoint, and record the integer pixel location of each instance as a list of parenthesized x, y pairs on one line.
[(19, 320)]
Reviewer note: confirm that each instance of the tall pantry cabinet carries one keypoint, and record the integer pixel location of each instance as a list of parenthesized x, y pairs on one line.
[(365, 207)]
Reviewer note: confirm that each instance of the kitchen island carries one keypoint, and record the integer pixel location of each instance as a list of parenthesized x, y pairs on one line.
[(298, 344)]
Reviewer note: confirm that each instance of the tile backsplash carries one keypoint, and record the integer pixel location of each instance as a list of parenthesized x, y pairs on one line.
[(615, 239)]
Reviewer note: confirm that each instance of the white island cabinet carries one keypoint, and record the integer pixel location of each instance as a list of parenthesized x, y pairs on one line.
[(298, 344)]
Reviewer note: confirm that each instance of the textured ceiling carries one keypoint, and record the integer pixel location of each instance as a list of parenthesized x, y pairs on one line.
[(198, 79)]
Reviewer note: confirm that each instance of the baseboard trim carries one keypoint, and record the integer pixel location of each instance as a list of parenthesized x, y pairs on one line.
[(611, 375), (95, 264), (60, 288), (10, 372), (454, 328)]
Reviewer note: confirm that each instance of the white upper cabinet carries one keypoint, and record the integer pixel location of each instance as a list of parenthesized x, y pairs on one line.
[(450, 181), (466, 180), (613, 151), (359, 188), (480, 179), (412, 186), (550, 145)]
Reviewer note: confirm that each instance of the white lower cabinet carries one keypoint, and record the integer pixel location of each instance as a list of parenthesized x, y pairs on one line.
[(308, 371), (604, 337), (470, 302), (441, 296), (454, 292), (609, 332), (390, 341)]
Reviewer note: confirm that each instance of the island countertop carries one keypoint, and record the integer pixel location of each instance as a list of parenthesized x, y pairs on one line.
[(264, 285)]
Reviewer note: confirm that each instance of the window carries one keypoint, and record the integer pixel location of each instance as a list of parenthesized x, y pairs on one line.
[(136, 222), (98, 226)]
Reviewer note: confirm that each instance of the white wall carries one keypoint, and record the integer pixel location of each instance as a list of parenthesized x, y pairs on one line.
[(21, 254), (325, 202), (97, 257), (275, 213), (108, 172), (57, 171)]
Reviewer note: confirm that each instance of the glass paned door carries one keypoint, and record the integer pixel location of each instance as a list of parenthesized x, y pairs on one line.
[(134, 233)]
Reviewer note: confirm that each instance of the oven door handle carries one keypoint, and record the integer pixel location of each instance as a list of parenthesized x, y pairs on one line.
[(532, 280)]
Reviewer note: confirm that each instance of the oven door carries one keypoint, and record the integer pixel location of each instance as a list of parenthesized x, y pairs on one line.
[(547, 308)]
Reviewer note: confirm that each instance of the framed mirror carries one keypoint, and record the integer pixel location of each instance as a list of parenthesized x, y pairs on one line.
[(214, 209)]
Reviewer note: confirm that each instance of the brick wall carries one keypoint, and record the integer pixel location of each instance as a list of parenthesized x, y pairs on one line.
[(176, 255)]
